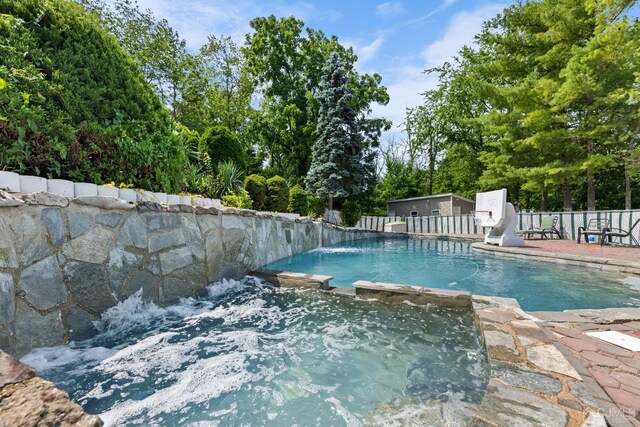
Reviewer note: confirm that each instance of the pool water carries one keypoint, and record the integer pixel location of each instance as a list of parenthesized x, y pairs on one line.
[(250, 354), (537, 286)]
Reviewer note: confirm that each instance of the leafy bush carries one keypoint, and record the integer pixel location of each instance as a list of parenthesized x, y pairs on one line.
[(228, 180), (222, 145), (351, 213), (207, 186), (237, 200), (75, 104), (298, 200), (277, 194), (316, 207), (256, 186)]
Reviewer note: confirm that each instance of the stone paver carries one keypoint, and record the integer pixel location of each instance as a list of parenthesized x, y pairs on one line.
[(614, 368), (571, 247)]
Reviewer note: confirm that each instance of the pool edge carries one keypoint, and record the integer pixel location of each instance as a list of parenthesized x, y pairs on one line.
[(600, 263)]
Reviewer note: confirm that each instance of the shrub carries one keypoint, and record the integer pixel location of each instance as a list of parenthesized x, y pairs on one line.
[(316, 206), (277, 194), (207, 186), (351, 213), (237, 200), (76, 106), (256, 186), (298, 201), (222, 145), (228, 180)]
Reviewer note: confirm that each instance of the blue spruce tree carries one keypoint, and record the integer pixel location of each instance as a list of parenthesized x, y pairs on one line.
[(337, 163)]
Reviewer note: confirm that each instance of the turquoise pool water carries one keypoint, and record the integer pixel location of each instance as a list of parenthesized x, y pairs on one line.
[(537, 286), (250, 354)]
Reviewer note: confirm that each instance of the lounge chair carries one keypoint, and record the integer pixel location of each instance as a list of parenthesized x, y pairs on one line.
[(547, 225), (595, 227), (617, 232)]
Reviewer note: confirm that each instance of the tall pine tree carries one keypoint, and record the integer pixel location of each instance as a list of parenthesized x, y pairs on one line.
[(337, 166)]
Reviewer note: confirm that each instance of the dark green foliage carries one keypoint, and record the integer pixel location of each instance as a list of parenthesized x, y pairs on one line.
[(351, 213), (222, 145), (256, 186), (228, 180), (286, 59), (316, 207), (277, 194), (545, 105), (298, 201), (338, 167), (75, 105)]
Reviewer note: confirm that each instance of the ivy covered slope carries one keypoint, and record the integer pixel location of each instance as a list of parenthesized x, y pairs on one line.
[(74, 105)]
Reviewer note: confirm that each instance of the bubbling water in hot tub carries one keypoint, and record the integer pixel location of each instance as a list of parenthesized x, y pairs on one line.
[(251, 354)]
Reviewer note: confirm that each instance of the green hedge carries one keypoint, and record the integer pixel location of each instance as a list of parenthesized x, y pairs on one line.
[(76, 106), (277, 194), (298, 200), (351, 213), (256, 186), (222, 145), (316, 207)]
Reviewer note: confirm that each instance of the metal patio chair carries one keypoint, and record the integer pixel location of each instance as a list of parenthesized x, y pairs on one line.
[(547, 225), (595, 227), (618, 232)]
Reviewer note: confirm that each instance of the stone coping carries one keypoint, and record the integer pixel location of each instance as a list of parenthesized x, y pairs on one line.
[(8, 200), (454, 237), (26, 400), (391, 292), (287, 279), (601, 263)]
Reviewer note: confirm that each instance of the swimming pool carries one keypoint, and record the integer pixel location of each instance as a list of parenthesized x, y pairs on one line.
[(537, 286), (251, 354)]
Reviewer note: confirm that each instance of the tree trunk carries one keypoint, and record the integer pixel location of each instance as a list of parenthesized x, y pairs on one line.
[(627, 189), (330, 202), (566, 197), (543, 200), (591, 180), (431, 179)]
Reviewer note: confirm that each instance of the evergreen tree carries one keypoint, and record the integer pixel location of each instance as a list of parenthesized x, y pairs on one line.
[(337, 166)]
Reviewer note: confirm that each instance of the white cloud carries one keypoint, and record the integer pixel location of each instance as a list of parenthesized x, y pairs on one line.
[(369, 51), (407, 81), (460, 32), (442, 7), (195, 20), (390, 9)]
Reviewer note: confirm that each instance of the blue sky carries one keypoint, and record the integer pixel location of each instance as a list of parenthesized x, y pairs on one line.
[(397, 39)]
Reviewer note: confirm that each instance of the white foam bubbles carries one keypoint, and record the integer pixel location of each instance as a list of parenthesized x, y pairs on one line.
[(201, 381), (343, 250), (224, 287), (130, 312), (43, 359)]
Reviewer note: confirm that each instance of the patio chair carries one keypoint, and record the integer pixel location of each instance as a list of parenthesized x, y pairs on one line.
[(595, 227), (617, 232), (547, 225)]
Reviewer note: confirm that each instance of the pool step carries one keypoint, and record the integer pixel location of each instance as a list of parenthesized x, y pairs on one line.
[(287, 279)]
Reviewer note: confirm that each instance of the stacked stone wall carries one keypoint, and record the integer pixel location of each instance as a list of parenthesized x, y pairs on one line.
[(63, 261)]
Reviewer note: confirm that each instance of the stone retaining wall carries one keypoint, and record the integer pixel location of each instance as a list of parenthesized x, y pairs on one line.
[(64, 261)]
